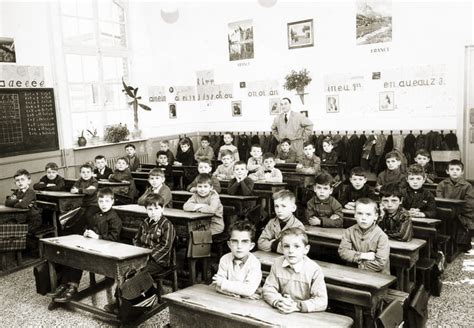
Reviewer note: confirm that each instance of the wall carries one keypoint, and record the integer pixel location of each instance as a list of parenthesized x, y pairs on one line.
[(196, 42)]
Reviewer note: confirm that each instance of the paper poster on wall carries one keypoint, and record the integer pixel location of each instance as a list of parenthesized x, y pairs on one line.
[(240, 39), (236, 107), (222, 91), (185, 93), (19, 76), (386, 101), (205, 77), (373, 21), (300, 34), (7, 50), (263, 88), (332, 104), (156, 94), (344, 82), (274, 105), (172, 111)]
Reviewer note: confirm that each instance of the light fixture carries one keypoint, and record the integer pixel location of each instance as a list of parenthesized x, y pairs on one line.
[(267, 3), (170, 14)]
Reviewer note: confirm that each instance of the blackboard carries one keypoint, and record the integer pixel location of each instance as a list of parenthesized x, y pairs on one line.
[(27, 121)]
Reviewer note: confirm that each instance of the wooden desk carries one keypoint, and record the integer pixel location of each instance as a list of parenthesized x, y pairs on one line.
[(184, 222), (104, 257), (360, 288), (117, 187), (202, 306), (65, 200), (428, 222), (403, 255), (12, 215), (239, 202), (286, 167)]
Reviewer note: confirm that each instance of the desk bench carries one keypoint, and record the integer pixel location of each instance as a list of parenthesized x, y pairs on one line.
[(362, 289), (202, 306)]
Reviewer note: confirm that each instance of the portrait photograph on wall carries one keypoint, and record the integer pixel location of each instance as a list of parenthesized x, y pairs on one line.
[(304, 112), (236, 108), (240, 38), (274, 105), (300, 34), (373, 21), (332, 104), (7, 50), (386, 101), (172, 110)]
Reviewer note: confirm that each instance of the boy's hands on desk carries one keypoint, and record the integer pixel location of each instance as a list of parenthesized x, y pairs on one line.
[(13, 197), (217, 280), (177, 163), (416, 213), (287, 305), (314, 221), (198, 207), (90, 234), (299, 166), (74, 190), (51, 185), (350, 206), (369, 256)]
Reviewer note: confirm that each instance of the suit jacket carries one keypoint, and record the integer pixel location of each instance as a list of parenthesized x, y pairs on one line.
[(298, 127)]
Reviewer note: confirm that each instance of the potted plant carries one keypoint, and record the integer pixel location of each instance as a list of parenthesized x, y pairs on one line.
[(298, 81), (81, 140), (94, 135), (116, 133), (132, 93)]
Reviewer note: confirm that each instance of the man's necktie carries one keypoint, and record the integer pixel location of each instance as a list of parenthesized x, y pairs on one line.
[(286, 119)]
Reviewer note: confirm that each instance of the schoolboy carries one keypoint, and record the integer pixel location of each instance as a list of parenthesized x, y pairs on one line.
[(394, 220), (241, 184), (392, 174), (365, 243), (417, 200), (422, 157), (358, 188), (133, 160), (323, 209), (122, 174), (165, 146), (24, 197), (101, 171), (163, 163), (239, 272), (186, 156), (228, 138), (206, 200), (270, 239), (88, 186), (225, 171), (156, 179), (295, 283), (285, 154), (256, 160), (267, 172), (456, 187), (205, 166), (205, 152), (52, 181), (329, 155), (310, 162), (106, 225)]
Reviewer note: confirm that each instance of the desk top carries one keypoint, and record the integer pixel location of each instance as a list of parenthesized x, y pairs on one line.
[(336, 234), (226, 196), (59, 194), (105, 248), (450, 201), (344, 274), (167, 212), (206, 298), (104, 183), (6, 209), (261, 183), (421, 221)]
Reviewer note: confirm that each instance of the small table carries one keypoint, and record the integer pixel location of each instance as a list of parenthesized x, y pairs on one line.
[(451, 226), (65, 200), (184, 222), (403, 255), (104, 257), (202, 306), (12, 215), (121, 187)]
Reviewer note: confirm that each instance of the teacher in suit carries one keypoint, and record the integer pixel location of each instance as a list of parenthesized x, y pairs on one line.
[(292, 125)]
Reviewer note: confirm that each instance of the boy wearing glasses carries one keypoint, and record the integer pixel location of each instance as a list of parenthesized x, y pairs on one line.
[(239, 271)]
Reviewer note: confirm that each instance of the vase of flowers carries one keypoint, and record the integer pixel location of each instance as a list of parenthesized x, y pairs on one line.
[(116, 133), (298, 81)]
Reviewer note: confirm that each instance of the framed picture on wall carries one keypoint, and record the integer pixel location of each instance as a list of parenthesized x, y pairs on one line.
[(7, 50), (236, 107), (172, 110), (274, 105), (304, 112), (386, 101), (300, 34), (332, 104), (240, 40)]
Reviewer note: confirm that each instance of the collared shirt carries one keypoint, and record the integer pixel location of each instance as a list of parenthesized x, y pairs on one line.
[(207, 153), (213, 206), (134, 162), (289, 157), (253, 164), (228, 172), (298, 126), (422, 199), (397, 225), (272, 232), (125, 175), (460, 190), (158, 236), (323, 210), (391, 176), (298, 267), (103, 174), (232, 148), (58, 182), (356, 241), (106, 224), (350, 194), (310, 165), (304, 283), (90, 198), (260, 175), (243, 188), (164, 191), (216, 185), (26, 200)]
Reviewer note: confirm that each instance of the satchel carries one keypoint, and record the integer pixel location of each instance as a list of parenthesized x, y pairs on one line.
[(418, 309), (199, 244), (391, 316), (43, 282), (138, 294)]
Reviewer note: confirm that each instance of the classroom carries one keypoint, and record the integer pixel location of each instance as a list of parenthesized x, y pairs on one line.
[(243, 163)]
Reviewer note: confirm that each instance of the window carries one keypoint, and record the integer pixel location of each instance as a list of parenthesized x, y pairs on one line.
[(96, 58)]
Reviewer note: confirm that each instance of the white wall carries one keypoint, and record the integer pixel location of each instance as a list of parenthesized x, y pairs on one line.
[(423, 34)]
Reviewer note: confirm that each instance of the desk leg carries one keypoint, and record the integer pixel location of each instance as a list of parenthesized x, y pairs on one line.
[(400, 279), (52, 276), (192, 270), (359, 317)]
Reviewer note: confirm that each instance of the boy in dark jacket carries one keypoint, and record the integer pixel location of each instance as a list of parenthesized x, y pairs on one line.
[(323, 209), (418, 201), (358, 188), (106, 225), (122, 174), (101, 171), (394, 220), (52, 181)]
